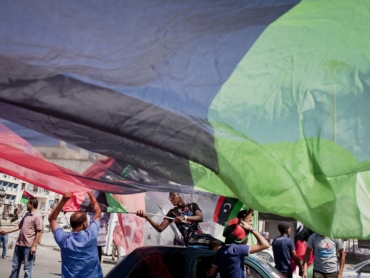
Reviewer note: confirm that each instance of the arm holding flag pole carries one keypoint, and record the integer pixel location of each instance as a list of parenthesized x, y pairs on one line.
[(147, 213), (159, 227)]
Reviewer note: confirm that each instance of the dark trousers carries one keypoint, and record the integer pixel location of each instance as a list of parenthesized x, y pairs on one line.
[(100, 252), (287, 274)]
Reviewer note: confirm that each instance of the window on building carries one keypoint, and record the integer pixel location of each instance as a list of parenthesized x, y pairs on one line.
[(16, 187), (54, 155), (35, 188), (23, 186), (6, 199)]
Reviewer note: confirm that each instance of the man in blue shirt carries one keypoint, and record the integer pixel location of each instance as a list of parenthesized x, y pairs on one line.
[(79, 248), (284, 249), (229, 260)]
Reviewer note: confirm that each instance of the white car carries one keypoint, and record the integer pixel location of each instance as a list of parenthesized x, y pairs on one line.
[(268, 256), (360, 270)]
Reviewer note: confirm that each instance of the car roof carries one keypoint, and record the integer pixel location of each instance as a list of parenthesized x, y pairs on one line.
[(147, 250)]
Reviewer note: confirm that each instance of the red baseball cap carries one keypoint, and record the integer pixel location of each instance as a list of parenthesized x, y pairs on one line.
[(233, 232)]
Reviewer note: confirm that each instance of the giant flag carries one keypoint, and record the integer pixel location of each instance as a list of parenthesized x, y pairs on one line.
[(263, 101)]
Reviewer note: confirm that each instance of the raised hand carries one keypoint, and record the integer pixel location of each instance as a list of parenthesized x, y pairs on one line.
[(67, 195), (141, 213), (245, 225)]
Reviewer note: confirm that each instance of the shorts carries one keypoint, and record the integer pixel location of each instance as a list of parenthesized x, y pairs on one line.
[(319, 274)]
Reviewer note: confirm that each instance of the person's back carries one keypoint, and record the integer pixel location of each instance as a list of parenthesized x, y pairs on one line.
[(79, 249), (284, 250), (281, 247), (79, 252), (230, 259)]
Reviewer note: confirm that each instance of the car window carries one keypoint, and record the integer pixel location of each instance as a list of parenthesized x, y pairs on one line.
[(366, 269), (202, 266), (266, 256), (263, 264), (153, 266), (251, 272)]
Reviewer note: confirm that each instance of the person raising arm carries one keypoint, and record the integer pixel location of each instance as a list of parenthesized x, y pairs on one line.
[(229, 260), (79, 249)]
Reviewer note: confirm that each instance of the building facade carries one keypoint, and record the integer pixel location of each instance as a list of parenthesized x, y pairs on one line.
[(11, 191)]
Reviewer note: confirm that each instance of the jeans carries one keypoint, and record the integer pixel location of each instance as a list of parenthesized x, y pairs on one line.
[(20, 253), (4, 241)]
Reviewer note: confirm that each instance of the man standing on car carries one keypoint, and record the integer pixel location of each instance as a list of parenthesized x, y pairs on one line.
[(284, 249), (325, 257), (28, 238), (187, 218), (79, 248), (229, 260)]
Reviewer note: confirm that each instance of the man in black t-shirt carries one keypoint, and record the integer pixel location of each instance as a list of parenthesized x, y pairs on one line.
[(186, 218)]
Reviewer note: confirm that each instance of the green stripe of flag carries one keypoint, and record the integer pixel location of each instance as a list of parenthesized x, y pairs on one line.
[(113, 204)]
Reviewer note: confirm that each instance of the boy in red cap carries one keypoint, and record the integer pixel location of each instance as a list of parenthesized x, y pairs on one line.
[(229, 260)]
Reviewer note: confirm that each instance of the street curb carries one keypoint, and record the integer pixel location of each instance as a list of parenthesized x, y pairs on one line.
[(107, 261), (45, 245)]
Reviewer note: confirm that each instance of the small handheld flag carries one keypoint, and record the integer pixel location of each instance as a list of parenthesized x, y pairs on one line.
[(25, 197), (226, 208)]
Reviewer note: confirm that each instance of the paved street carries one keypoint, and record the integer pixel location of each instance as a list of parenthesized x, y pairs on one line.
[(48, 260)]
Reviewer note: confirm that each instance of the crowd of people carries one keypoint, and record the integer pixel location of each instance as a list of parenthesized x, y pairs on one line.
[(314, 255)]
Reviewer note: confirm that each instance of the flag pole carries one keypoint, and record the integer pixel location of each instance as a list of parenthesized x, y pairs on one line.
[(172, 218)]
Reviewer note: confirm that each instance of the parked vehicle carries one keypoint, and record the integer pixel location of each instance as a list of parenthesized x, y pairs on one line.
[(360, 270), (181, 262), (268, 255)]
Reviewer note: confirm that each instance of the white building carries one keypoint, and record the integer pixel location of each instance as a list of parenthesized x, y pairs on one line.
[(11, 191)]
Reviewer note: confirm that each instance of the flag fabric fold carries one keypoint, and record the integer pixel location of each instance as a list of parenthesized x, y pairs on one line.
[(262, 101), (81, 202)]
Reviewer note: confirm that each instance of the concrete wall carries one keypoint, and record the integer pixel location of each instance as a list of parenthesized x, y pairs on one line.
[(274, 232)]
